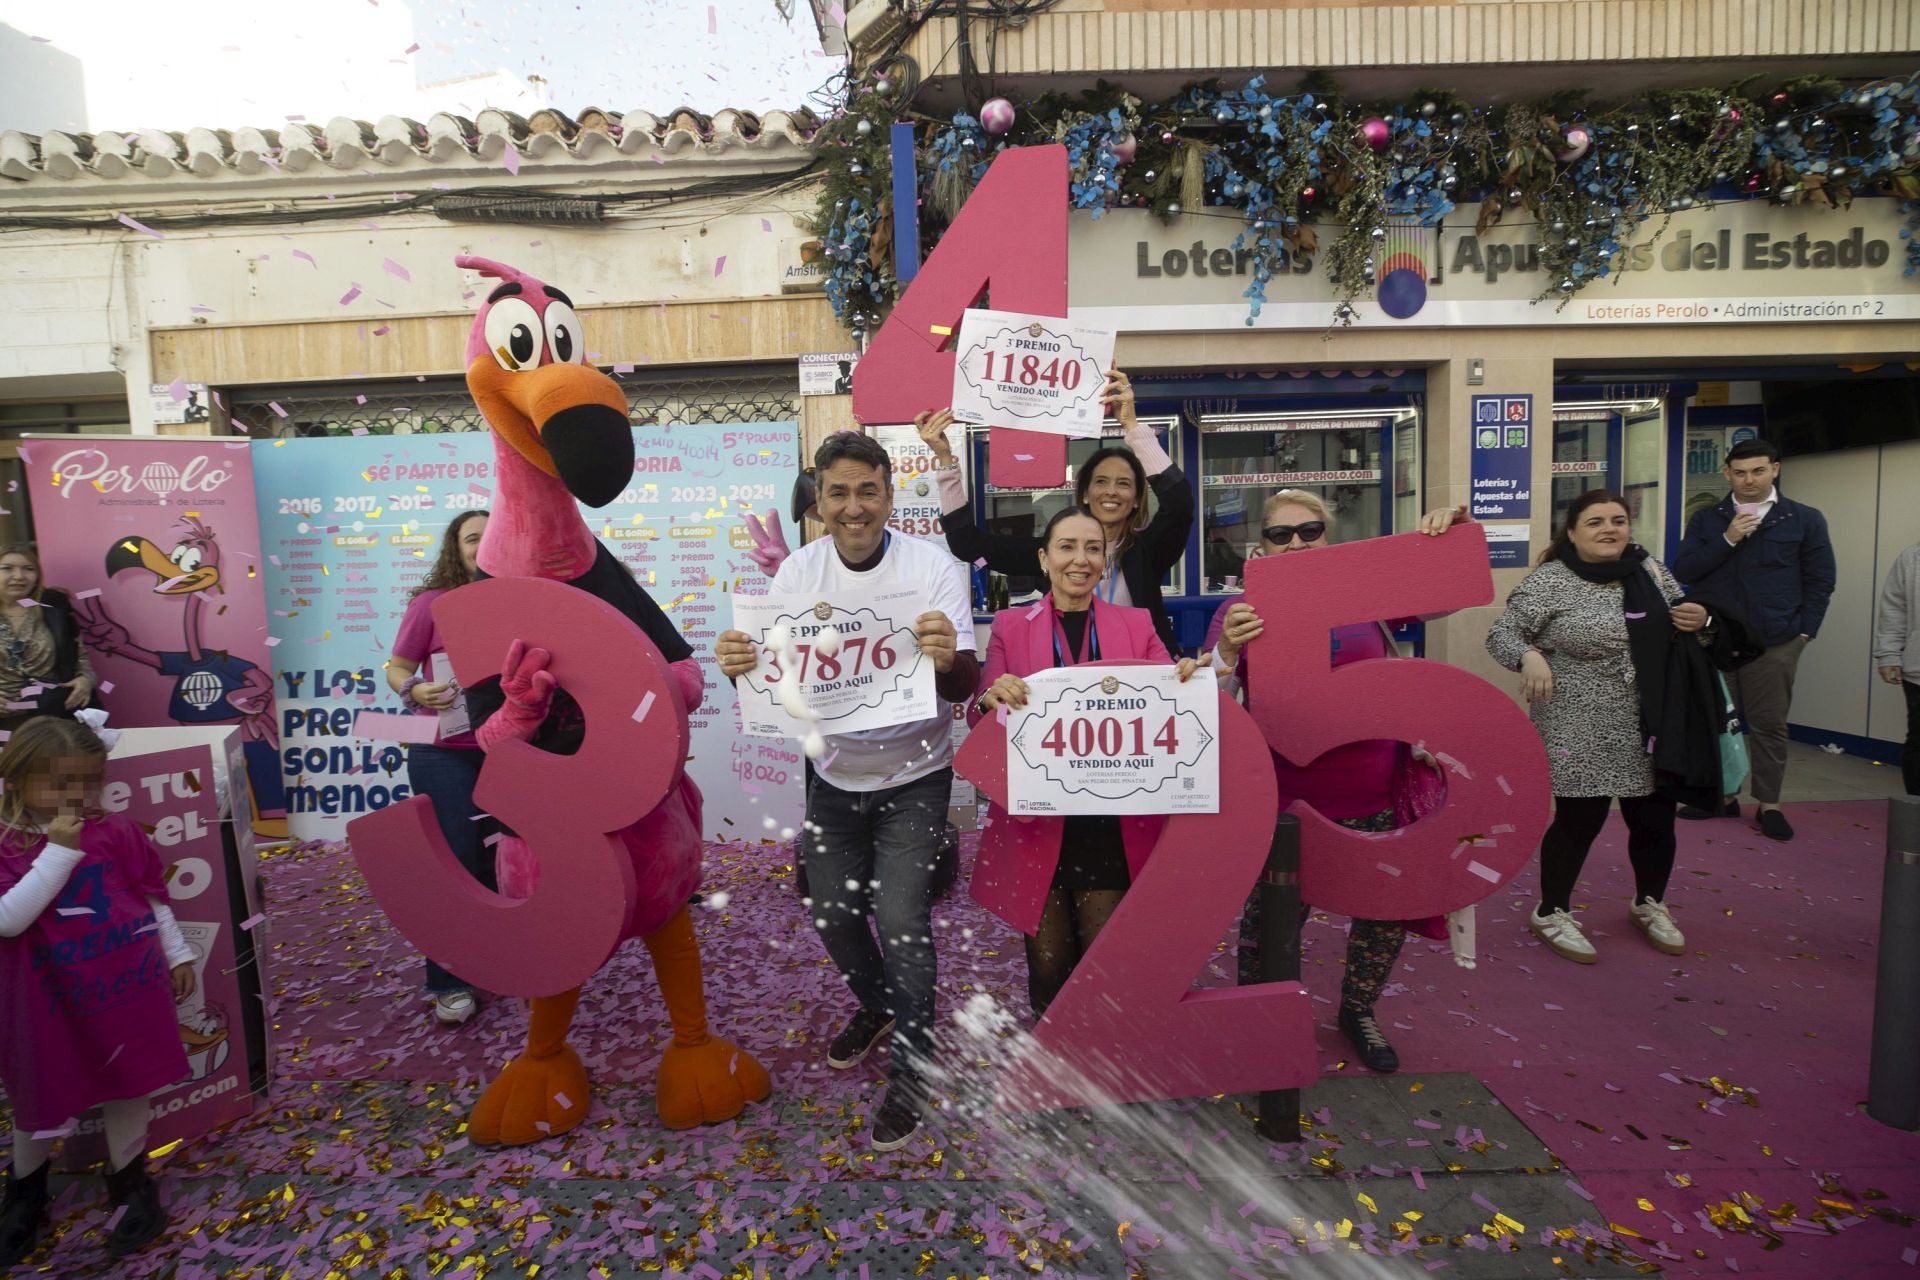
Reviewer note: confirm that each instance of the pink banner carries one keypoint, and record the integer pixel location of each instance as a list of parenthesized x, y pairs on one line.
[(157, 542)]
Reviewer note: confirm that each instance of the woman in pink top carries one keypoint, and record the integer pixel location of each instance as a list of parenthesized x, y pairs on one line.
[(446, 771), (1351, 784)]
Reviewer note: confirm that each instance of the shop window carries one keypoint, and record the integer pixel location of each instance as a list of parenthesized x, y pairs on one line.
[(1341, 456), (1025, 512), (1611, 444)]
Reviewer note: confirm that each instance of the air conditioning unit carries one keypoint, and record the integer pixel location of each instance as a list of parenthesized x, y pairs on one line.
[(872, 23)]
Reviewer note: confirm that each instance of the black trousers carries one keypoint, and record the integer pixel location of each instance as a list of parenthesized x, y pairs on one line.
[(1910, 758), (1578, 819)]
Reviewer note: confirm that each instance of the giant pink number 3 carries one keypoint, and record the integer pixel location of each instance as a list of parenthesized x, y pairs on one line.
[(1010, 237), (1128, 1027), (564, 807), (1497, 788)]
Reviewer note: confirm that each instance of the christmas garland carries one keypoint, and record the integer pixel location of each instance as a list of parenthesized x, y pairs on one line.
[(1591, 176)]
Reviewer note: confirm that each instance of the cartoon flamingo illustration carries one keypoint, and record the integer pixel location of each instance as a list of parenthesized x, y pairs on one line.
[(211, 686)]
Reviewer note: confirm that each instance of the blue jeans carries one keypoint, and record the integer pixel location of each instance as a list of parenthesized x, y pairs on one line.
[(447, 777), (887, 843)]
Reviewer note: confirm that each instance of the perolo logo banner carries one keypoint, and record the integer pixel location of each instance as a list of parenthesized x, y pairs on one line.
[(158, 477)]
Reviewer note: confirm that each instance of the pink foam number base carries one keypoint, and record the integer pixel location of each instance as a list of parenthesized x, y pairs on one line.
[(907, 368), (1498, 792), (1128, 1026), (564, 807)]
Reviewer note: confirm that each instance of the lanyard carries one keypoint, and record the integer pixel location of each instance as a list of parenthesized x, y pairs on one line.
[(1109, 583), (1063, 654)]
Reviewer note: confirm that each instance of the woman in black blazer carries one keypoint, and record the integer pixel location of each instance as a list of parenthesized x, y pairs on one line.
[(1112, 484)]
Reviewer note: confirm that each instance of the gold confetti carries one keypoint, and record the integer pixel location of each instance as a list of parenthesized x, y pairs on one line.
[(1366, 1202), (1646, 1205)]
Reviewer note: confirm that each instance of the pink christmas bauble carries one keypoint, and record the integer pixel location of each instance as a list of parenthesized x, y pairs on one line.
[(1124, 146), (1377, 132), (997, 116), (1578, 140)]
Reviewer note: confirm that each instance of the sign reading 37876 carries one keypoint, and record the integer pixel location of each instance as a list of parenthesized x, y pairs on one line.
[(1115, 740), (856, 661), (1032, 372)]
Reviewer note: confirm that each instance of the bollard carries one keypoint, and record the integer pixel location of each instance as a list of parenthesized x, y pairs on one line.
[(1893, 1078), (1279, 959)]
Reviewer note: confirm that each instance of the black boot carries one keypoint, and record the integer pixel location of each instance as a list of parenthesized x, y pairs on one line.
[(1364, 1031), (144, 1218), (23, 1215)]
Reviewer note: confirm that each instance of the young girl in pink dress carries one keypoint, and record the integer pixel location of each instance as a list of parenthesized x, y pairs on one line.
[(91, 965)]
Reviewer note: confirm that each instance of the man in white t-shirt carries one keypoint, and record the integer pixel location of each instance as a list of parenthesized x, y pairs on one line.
[(877, 800)]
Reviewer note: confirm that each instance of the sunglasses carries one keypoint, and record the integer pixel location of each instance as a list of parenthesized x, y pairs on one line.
[(1281, 534)]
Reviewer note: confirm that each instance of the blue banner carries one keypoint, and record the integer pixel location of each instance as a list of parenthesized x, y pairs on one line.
[(348, 525), (1502, 457)]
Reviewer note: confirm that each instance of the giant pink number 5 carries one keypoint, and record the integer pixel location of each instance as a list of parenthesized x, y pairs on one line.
[(564, 807), (1010, 236), (1128, 1027), (1497, 788)]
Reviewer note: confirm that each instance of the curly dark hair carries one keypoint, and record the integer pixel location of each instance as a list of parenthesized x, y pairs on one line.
[(448, 572)]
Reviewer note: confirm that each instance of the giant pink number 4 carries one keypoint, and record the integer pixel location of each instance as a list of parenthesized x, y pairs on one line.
[(564, 807), (1497, 787), (1010, 237), (1128, 1026)]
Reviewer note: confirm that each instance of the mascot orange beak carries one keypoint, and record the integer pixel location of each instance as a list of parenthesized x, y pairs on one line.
[(569, 420)]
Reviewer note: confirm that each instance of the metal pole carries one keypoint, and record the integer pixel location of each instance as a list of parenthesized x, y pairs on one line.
[(1279, 959), (1893, 1078)]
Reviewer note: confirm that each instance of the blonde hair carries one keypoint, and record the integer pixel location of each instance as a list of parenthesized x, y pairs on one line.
[(1296, 498), (35, 750)]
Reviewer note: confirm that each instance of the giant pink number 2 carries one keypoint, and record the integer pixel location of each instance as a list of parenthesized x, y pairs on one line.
[(1128, 1027)]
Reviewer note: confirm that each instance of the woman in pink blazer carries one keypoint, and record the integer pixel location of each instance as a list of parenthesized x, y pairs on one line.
[(1058, 880)]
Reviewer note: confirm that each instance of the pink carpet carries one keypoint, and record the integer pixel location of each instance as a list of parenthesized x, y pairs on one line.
[(1714, 1103)]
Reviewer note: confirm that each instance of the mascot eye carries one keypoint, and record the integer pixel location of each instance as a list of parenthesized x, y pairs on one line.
[(563, 333), (513, 334), (188, 558)]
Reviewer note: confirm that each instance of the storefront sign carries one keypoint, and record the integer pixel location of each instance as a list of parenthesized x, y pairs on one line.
[(178, 401), (1281, 479), (157, 543), (1114, 740), (1502, 457), (1741, 262), (353, 523)]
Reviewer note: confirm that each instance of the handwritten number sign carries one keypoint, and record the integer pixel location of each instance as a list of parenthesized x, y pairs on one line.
[(1128, 1027), (1497, 788), (564, 807), (909, 364)]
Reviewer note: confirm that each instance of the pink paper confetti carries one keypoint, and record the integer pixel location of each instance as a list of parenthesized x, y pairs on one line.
[(713, 21), (141, 227), (306, 257), (510, 158), (646, 705), (1023, 457), (719, 265), (393, 268), (252, 922), (352, 292)]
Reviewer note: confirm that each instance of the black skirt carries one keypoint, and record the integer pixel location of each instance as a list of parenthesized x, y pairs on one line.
[(1092, 855)]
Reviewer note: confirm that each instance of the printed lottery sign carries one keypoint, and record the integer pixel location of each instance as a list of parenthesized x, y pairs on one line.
[(1032, 372), (857, 663), (1115, 740)]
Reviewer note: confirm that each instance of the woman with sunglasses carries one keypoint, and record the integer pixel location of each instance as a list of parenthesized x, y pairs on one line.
[(1112, 484), (42, 660), (1352, 785)]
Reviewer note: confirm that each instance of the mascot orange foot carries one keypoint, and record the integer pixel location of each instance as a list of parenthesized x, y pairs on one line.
[(703, 1078)]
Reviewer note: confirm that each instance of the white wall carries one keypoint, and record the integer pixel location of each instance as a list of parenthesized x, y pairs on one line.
[(63, 301), (1867, 496)]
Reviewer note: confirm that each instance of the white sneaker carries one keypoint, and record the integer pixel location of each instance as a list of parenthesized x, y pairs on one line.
[(1651, 918), (1558, 930), (454, 1007)]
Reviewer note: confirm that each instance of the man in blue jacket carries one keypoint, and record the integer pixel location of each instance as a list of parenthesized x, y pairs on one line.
[(1769, 557)]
